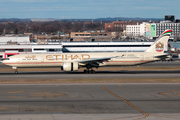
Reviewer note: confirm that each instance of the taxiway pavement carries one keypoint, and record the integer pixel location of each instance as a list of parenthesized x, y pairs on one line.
[(98, 75), (90, 101)]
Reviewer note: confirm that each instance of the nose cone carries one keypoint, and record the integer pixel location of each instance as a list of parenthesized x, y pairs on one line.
[(1, 61), (5, 61)]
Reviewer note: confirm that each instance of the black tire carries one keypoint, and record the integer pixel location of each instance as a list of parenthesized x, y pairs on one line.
[(85, 71), (93, 71)]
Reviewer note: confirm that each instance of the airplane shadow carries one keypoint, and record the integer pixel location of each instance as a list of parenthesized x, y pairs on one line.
[(97, 72)]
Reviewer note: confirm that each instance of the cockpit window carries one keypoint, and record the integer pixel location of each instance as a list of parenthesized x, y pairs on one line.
[(7, 59)]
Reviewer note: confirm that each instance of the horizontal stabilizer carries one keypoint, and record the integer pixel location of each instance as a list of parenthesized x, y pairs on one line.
[(163, 56)]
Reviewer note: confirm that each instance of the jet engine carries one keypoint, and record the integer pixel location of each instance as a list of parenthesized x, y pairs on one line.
[(70, 66)]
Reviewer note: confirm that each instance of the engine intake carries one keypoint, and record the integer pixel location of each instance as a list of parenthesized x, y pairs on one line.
[(70, 66)]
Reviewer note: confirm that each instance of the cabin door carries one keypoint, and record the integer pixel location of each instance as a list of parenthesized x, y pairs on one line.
[(142, 57), (42, 59)]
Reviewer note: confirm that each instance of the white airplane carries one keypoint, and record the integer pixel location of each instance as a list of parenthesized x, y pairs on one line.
[(74, 61)]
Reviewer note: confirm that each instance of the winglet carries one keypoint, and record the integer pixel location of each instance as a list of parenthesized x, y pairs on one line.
[(160, 44)]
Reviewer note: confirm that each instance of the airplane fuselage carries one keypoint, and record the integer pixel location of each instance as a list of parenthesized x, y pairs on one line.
[(57, 59)]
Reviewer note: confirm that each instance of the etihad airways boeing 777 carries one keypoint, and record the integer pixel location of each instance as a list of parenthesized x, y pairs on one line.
[(74, 61)]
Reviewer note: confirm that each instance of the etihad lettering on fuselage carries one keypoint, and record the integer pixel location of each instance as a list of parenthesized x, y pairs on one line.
[(68, 57)]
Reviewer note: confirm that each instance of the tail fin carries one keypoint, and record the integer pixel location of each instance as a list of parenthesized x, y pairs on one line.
[(160, 43)]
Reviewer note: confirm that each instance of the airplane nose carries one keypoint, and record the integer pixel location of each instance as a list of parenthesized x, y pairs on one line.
[(5, 60)]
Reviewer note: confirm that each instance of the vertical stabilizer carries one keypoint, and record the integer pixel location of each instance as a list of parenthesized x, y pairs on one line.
[(160, 44)]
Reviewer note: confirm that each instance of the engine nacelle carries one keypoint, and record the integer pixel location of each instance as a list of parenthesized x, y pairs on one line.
[(70, 66)]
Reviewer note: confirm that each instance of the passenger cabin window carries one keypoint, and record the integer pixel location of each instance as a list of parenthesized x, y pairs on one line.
[(21, 50), (50, 50), (2, 50), (38, 49)]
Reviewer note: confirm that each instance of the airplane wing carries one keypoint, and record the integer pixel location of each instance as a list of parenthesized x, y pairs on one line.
[(95, 61), (163, 56)]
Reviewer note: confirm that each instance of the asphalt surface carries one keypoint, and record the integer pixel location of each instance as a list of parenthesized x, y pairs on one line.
[(90, 101), (98, 75)]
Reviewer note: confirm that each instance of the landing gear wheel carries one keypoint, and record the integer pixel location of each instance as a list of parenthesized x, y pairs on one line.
[(89, 71), (85, 71), (92, 71), (16, 71)]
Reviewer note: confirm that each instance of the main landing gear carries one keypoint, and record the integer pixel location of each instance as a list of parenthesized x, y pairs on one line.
[(89, 71)]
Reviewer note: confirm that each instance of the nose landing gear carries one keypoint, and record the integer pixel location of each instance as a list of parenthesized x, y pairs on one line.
[(15, 68)]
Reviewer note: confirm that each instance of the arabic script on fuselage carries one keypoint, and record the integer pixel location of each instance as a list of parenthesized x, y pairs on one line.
[(30, 57)]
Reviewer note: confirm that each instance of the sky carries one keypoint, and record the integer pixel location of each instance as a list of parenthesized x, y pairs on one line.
[(88, 9)]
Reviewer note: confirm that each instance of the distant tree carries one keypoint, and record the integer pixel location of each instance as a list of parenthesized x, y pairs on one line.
[(11, 26), (94, 26), (35, 27), (16, 31), (77, 27), (21, 26), (50, 27), (67, 27), (1, 29)]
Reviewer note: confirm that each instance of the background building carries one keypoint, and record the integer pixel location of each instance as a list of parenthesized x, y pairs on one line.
[(9, 50), (14, 39), (164, 25), (169, 18), (118, 26), (153, 30), (138, 30), (89, 36)]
